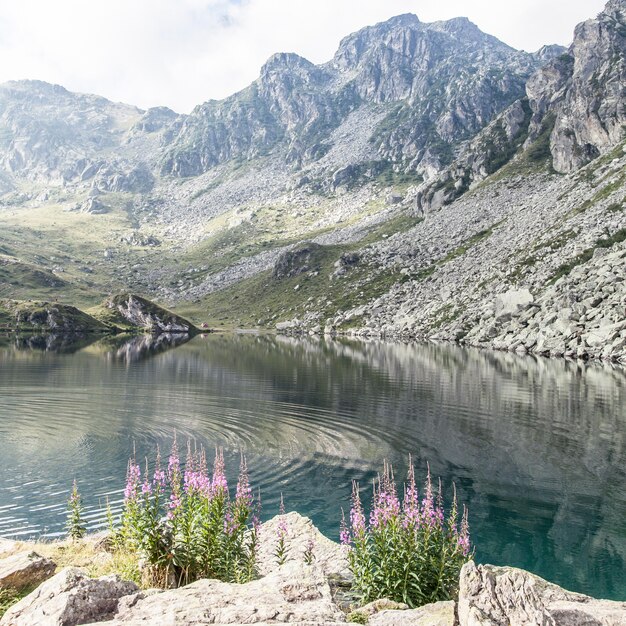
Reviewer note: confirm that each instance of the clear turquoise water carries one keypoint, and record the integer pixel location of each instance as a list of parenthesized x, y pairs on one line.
[(536, 447)]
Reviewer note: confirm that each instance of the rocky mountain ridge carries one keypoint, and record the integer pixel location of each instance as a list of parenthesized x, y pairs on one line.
[(424, 151)]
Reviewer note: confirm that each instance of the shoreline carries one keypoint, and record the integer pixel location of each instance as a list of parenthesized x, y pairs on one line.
[(311, 594), (416, 338)]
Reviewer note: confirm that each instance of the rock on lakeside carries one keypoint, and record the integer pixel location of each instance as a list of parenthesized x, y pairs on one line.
[(293, 593)]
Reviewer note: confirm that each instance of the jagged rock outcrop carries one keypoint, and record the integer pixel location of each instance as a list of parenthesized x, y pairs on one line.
[(574, 111), (493, 596), (584, 91), (48, 316), (299, 260), (68, 599), (438, 84), (24, 569), (142, 313), (51, 134)]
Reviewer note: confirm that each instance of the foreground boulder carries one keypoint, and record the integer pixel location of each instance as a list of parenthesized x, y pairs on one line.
[(138, 312), (328, 555), (294, 593), (497, 596), (68, 599), (24, 569), (435, 614)]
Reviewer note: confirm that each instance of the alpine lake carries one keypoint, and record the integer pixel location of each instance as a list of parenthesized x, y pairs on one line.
[(536, 447)]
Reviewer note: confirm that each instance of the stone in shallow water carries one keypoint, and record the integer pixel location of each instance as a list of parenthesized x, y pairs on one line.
[(494, 596), (24, 569)]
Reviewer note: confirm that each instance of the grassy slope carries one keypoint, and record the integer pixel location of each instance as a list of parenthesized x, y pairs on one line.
[(270, 300), (61, 256)]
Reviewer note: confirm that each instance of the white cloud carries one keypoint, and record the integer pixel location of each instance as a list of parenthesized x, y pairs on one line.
[(180, 53)]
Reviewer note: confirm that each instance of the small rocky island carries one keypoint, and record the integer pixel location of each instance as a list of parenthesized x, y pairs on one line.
[(64, 594)]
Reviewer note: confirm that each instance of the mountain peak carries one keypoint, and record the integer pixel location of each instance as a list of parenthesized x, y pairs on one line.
[(34, 86), (281, 61), (549, 52), (404, 20)]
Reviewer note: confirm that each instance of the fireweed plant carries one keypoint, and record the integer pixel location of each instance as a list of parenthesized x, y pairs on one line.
[(75, 522), (183, 523), (408, 551), (280, 552)]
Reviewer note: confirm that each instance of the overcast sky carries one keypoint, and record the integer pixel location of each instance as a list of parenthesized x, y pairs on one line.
[(180, 53)]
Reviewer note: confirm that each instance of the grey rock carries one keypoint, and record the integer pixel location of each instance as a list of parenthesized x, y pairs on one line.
[(587, 104), (435, 614), (293, 593), (511, 302), (493, 596), (24, 569), (68, 599), (299, 260), (145, 314), (8, 546)]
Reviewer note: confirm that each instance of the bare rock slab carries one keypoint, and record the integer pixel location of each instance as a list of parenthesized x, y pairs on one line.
[(68, 599), (499, 596), (8, 546), (328, 555), (24, 569), (293, 593), (435, 614)]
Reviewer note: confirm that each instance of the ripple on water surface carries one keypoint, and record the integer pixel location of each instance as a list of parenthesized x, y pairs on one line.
[(535, 447)]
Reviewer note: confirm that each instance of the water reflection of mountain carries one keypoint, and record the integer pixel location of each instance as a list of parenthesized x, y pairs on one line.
[(64, 343), (532, 443), (139, 347), (126, 348), (537, 447)]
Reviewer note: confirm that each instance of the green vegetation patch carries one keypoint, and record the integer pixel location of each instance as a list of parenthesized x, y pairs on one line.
[(617, 207), (444, 315), (498, 147), (16, 276), (426, 272), (37, 316), (264, 299), (558, 241), (10, 596), (539, 151), (601, 194), (586, 255)]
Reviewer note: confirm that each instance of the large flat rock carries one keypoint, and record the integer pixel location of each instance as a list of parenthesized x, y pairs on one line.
[(499, 596), (329, 555), (68, 599), (24, 569), (294, 593), (435, 614)]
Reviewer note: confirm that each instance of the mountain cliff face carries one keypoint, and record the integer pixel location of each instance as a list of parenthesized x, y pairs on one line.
[(437, 83), (404, 166), (573, 110), (584, 91)]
